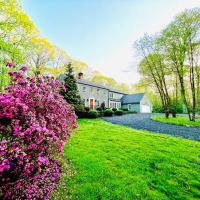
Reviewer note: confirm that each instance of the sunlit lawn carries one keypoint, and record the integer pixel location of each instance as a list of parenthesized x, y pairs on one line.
[(115, 162), (180, 120)]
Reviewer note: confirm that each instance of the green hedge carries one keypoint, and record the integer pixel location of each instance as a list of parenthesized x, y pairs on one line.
[(108, 113)]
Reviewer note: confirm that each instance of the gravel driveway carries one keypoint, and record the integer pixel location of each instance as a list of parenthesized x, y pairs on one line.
[(143, 121)]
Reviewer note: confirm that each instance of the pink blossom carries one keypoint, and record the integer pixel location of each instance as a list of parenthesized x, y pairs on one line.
[(24, 68), (32, 146), (43, 159), (10, 64), (35, 123), (4, 167)]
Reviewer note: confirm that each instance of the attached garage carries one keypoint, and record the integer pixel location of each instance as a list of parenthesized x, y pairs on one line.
[(139, 103)]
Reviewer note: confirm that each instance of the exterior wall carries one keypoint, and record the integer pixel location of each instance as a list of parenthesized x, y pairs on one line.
[(137, 107), (88, 92), (115, 99), (145, 101), (132, 107), (114, 104)]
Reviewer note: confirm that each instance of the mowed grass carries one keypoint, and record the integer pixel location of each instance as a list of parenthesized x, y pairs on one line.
[(114, 162), (180, 120)]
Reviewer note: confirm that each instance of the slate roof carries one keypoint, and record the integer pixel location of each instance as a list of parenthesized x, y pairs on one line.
[(86, 82), (132, 98)]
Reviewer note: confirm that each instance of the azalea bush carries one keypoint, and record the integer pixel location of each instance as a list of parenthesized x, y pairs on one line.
[(35, 122)]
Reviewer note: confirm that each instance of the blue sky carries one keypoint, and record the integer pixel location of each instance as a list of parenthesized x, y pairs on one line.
[(102, 32)]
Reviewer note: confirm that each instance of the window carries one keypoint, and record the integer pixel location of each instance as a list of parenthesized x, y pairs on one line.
[(84, 89), (111, 95), (129, 106)]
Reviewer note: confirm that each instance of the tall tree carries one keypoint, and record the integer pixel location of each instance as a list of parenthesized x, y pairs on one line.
[(71, 95), (178, 40), (153, 67)]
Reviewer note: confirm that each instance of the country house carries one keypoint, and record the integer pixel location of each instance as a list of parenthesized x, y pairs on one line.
[(94, 94)]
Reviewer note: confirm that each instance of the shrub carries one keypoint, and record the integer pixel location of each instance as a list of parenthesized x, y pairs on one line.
[(103, 106), (35, 122), (114, 109), (92, 114), (99, 109), (125, 109), (118, 112), (82, 114), (108, 113), (87, 109)]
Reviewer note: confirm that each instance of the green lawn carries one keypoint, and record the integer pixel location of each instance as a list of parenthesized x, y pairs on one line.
[(180, 120), (114, 162)]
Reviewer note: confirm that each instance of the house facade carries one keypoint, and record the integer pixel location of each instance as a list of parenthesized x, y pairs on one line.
[(94, 94)]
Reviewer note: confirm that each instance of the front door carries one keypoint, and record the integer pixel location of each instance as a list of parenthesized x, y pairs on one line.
[(91, 103)]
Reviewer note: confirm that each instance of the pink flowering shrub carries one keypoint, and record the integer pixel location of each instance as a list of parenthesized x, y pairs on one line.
[(35, 122)]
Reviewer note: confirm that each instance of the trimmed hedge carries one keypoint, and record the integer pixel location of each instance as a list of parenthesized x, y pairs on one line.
[(92, 114), (114, 109), (118, 112), (108, 113)]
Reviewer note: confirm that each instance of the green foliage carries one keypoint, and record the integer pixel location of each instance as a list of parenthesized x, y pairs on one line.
[(170, 63), (118, 112), (71, 94), (99, 109), (114, 109), (108, 113), (125, 109), (180, 120), (116, 162), (87, 109), (103, 106), (92, 114)]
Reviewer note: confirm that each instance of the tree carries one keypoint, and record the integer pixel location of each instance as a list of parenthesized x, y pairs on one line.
[(179, 38), (170, 61), (154, 69), (41, 53), (71, 95)]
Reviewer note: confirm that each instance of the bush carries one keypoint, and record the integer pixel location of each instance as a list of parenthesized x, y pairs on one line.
[(99, 109), (103, 106), (118, 112), (114, 109), (108, 113), (82, 114), (125, 109), (87, 109), (35, 122), (92, 114)]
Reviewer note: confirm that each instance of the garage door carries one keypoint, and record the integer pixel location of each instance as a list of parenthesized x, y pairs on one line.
[(145, 109)]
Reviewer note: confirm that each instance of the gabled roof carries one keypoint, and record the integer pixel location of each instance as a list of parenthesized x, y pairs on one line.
[(132, 98), (86, 82)]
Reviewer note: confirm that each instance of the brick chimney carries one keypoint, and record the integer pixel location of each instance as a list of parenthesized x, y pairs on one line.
[(80, 75)]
